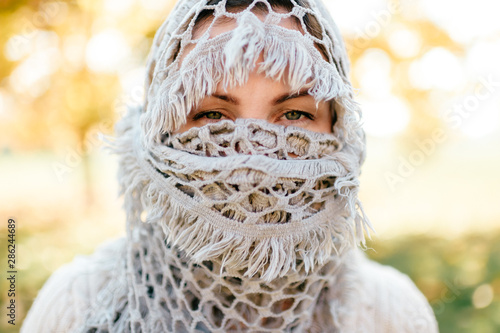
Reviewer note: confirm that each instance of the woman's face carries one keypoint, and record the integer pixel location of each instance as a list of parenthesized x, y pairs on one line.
[(260, 97)]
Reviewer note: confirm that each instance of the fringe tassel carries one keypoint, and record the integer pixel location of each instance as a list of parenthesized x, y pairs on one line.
[(194, 232), (228, 59)]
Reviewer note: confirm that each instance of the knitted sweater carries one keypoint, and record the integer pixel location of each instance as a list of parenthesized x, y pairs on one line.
[(379, 300)]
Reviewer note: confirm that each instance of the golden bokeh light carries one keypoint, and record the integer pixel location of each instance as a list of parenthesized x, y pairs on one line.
[(426, 75)]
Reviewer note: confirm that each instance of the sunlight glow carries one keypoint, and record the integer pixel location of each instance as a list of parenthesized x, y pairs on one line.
[(373, 72), (155, 5), (20, 46), (463, 20), (8, 109), (17, 47), (106, 51), (437, 69), (32, 76), (358, 22), (482, 57), (385, 117), (3, 97), (118, 6), (482, 296), (74, 50), (405, 43), (483, 121)]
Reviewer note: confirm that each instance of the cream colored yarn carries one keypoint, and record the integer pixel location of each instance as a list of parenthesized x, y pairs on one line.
[(243, 220), (238, 226), (230, 194)]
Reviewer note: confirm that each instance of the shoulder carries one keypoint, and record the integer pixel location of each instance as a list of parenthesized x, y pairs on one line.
[(386, 300), (68, 293)]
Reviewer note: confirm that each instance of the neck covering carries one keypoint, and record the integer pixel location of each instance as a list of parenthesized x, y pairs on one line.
[(244, 225)]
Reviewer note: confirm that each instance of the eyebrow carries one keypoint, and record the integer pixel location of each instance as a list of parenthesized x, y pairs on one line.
[(286, 97), (281, 99)]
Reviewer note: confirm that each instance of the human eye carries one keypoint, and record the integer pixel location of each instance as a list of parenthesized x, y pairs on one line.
[(295, 115), (209, 116)]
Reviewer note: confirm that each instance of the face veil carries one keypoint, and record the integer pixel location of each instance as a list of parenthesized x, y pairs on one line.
[(236, 226)]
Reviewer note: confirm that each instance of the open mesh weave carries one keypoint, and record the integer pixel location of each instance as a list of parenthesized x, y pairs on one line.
[(243, 239), (226, 138), (207, 298), (286, 208), (236, 226)]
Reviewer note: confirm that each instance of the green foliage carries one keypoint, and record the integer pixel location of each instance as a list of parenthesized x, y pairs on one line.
[(449, 273)]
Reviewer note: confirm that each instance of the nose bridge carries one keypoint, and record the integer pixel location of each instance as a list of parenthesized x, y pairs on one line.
[(255, 97), (254, 108)]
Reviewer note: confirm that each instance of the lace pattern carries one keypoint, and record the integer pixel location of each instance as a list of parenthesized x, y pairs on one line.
[(205, 297), (254, 137)]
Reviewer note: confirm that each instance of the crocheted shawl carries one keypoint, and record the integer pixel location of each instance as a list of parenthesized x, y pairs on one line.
[(235, 226)]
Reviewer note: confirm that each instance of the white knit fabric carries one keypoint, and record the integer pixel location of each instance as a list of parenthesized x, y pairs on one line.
[(367, 298), (240, 226)]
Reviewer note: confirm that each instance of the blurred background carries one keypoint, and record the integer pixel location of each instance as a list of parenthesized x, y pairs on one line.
[(427, 77)]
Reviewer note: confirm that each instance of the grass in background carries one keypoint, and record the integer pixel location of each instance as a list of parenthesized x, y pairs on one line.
[(459, 277)]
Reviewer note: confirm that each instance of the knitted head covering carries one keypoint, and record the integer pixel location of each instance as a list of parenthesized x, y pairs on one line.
[(235, 226)]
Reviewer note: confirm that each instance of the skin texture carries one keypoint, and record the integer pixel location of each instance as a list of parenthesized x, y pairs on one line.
[(260, 97)]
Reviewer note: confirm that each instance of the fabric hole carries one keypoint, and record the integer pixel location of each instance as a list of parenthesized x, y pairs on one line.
[(234, 215), (203, 280), (179, 327), (209, 265), (176, 274), (185, 189), (293, 290), (302, 306), (277, 217), (159, 279), (279, 283), (316, 207), (324, 183), (169, 288), (297, 144), (259, 299), (216, 191), (202, 328), (233, 325), (191, 300), (213, 313), (248, 313), (257, 202), (224, 295), (272, 322), (151, 292), (282, 305)]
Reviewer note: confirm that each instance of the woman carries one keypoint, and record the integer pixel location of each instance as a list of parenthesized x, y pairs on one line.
[(240, 177)]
